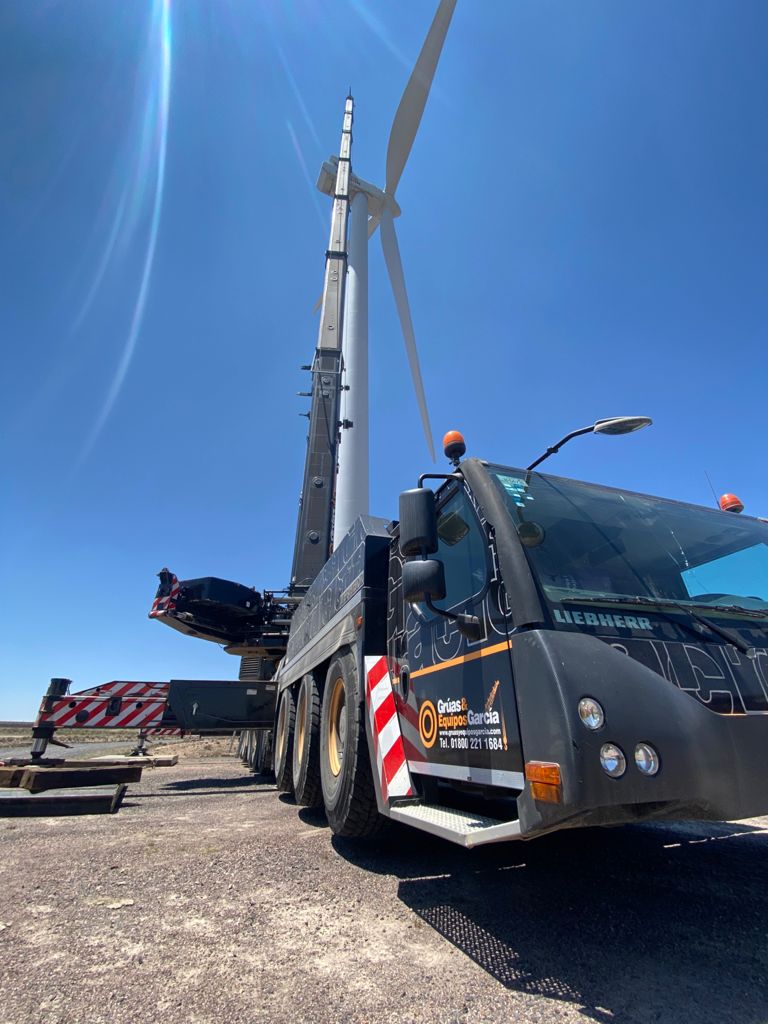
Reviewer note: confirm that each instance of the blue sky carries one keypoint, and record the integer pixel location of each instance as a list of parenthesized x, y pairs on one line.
[(583, 234)]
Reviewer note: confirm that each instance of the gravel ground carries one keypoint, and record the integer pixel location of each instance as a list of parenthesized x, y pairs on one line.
[(209, 898)]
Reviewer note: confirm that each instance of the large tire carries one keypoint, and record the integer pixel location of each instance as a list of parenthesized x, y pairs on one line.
[(264, 765), (284, 734), (256, 757), (248, 739), (306, 745), (345, 767), (253, 740)]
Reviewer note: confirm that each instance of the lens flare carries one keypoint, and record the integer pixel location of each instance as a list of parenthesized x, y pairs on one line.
[(297, 93), (150, 166), (305, 171)]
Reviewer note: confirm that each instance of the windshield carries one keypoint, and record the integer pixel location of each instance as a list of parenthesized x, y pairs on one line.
[(588, 542)]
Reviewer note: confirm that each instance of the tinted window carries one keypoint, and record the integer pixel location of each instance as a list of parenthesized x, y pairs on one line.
[(462, 549), (586, 541)]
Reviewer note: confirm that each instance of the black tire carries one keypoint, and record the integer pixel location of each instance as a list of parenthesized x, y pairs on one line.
[(345, 767), (257, 750), (253, 740), (246, 755), (306, 745), (264, 766), (284, 733)]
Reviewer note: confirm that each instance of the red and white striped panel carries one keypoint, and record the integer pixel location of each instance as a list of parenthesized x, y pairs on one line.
[(121, 688), (166, 604), (409, 726), (409, 723), (394, 777), (162, 732), (135, 711)]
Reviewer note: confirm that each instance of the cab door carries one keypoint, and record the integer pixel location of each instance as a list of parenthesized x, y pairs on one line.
[(456, 696)]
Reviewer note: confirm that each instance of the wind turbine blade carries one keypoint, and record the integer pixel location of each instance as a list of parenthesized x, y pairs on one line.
[(414, 98), (397, 279)]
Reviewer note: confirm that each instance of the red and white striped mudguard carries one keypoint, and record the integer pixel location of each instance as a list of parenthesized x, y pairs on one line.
[(394, 777), (115, 705)]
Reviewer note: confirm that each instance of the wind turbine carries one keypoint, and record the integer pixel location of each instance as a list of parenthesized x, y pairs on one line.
[(372, 208)]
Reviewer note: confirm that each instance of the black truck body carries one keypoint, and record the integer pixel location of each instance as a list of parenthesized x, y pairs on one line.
[(474, 722)]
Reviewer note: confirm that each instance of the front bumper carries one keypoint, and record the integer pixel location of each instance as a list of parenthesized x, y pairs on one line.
[(713, 766)]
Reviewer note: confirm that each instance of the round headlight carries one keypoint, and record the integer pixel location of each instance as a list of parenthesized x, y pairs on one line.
[(590, 712), (646, 759), (612, 759)]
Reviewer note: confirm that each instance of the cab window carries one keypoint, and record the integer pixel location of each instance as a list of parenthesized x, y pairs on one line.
[(463, 550)]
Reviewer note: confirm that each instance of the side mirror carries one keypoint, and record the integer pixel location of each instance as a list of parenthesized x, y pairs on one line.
[(418, 522), (424, 581)]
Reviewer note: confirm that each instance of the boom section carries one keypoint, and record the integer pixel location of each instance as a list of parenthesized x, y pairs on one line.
[(314, 531)]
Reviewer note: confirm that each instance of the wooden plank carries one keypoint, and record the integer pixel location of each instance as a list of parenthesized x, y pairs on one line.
[(38, 780), (155, 761), (90, 762), (10, 777), (17, 803), (23, 762)]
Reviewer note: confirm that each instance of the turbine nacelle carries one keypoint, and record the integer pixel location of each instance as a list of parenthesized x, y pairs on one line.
[(378, 201)]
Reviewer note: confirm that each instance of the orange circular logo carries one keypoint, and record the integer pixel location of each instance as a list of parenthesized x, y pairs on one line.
[(428, 723)]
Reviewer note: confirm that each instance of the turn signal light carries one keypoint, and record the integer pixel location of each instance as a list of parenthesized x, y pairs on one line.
[(543, 771), (546, 794)]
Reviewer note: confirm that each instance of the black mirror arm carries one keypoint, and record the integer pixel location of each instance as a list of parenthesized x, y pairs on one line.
[(439, 476), (467, 625)]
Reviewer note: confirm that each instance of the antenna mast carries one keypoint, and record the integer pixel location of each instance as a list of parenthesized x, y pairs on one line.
[(314, 531)]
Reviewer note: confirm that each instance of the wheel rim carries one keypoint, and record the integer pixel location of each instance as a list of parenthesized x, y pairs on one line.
[(337, 727), (300, 724), (282, 726)]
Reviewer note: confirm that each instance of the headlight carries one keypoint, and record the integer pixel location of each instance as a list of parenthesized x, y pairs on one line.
[(590, 712), (612, 759), (646, 759)]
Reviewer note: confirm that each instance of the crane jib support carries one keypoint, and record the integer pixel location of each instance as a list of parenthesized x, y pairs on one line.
[(314, 530)]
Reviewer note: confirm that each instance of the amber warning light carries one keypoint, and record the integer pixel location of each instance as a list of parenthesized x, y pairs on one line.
[(730, 503), (454, 446)]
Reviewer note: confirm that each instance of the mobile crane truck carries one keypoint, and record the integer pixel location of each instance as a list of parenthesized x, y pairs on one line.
[(522, 653), (518, 653)]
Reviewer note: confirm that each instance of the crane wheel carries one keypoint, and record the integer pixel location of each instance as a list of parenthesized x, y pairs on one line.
[(345, 767), (258, 756), (253, 750), (284, 736), (306, 745), (266, 767)]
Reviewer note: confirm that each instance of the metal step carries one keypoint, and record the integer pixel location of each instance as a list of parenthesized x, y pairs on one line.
[(462, 827)]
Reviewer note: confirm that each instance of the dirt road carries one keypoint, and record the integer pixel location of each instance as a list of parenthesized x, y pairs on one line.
[(210, 899)]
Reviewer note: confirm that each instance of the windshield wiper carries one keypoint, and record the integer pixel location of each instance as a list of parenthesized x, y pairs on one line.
[(752, 613), (656, 602), (726, 634)]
